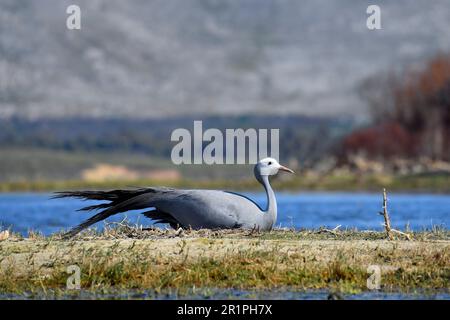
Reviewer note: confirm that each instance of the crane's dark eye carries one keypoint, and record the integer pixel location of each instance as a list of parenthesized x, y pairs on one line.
[(270, 163)]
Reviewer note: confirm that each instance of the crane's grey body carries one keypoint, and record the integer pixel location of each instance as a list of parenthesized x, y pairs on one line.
[(196, 209), (213, 209)]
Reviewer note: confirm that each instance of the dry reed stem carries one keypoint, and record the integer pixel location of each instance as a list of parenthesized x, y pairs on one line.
[(387, 220)]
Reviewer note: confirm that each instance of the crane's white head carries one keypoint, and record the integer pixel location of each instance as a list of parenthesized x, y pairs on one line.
[(269, 167)]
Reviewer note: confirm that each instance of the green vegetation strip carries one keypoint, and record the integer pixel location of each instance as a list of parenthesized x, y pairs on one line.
[(126, 258), (351, 182)]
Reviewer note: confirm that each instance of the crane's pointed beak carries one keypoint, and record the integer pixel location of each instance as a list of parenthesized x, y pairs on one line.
[(283, 168)]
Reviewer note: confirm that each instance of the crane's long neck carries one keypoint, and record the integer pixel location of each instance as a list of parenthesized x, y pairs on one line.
[(271, 209)]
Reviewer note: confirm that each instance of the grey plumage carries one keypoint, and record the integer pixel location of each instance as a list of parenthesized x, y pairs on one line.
[(196, 209)]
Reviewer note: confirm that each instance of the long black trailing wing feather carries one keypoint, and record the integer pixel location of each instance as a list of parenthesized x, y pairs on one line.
[(119, 201), (111, 195), (114, 196), (135, 203)]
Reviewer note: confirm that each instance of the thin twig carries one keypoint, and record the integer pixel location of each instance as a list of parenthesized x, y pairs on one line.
[(402, 233), (387, 220), (385, 214), (332, 231), (254, 230), (179, 232), (336, 228)]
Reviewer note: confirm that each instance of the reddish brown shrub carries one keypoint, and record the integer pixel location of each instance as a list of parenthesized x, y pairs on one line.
[(386, 140), (411, 114)]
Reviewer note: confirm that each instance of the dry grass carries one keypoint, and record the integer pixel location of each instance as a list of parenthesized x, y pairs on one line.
[(127, 257)]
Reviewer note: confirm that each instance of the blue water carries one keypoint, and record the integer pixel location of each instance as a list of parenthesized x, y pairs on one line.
[(35, 211), (224, 294)]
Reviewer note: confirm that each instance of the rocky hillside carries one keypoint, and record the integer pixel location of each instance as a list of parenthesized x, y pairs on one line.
[(157, 58)]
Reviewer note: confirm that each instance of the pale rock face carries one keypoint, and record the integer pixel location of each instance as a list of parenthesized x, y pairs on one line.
[(161, 58)]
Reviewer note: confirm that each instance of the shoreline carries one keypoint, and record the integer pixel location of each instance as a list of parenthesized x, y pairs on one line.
[(428, 183)]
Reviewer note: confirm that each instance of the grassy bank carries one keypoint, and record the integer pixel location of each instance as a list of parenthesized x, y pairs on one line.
[(127, 258), (417, 183), (41, 170)]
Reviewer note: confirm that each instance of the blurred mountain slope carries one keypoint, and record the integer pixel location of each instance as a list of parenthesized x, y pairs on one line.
[(147, 59)]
